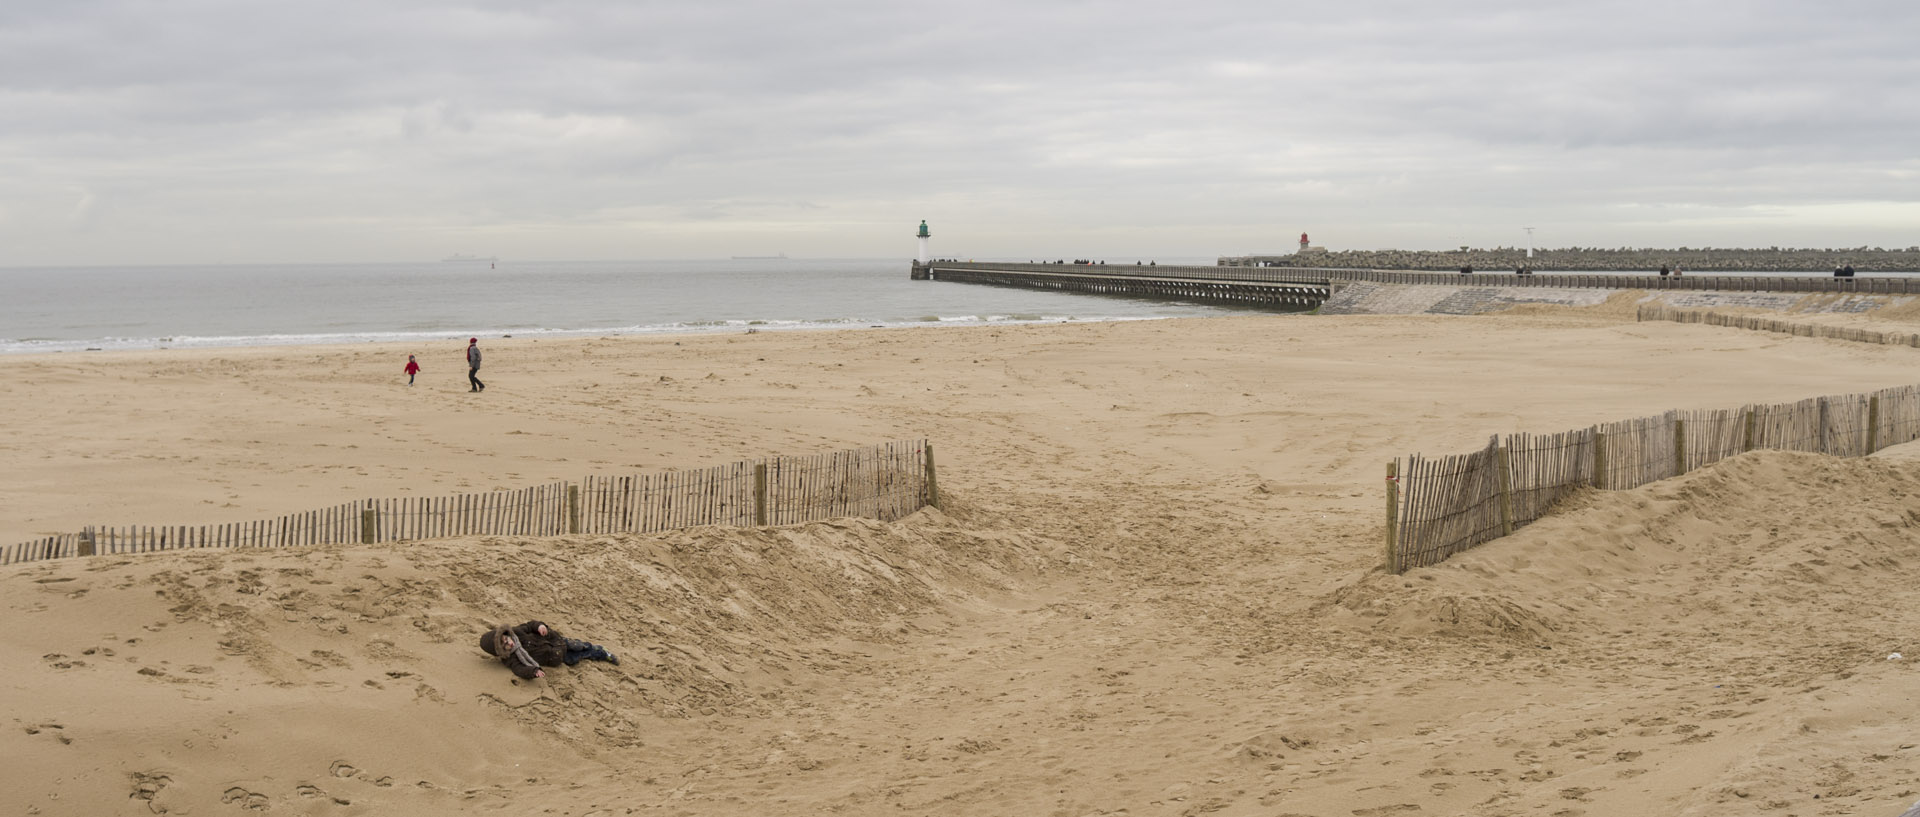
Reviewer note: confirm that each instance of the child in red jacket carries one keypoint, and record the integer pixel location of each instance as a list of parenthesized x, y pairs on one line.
[(412, 369)]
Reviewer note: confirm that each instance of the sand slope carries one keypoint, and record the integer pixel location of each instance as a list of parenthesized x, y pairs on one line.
[(1151, 590), (277, 678), (1728, 630), (1710, 643)]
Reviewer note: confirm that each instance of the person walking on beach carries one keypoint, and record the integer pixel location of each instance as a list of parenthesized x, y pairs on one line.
[(413, 368), (473, 366)]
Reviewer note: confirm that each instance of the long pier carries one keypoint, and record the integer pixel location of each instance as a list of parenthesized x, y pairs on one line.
[(1271, 288), (1301, 287)]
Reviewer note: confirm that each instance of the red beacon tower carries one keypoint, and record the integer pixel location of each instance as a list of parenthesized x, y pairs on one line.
[(1303, 242)]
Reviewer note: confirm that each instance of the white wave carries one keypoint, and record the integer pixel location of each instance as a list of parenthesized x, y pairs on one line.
[(46, 345)]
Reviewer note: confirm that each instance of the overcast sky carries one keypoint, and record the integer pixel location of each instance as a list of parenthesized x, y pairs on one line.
[(209, 131)]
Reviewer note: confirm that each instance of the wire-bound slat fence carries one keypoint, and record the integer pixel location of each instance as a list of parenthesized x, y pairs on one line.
[(1762, 323), (884, 482), (1439, 507)]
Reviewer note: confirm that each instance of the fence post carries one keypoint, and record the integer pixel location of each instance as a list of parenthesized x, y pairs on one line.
[(933, 486), (1873, 424), (368, 524), (1749, 428), (1506, 492), (1393, 517), (1600, 459), (86, 542), (1824, 449), (759, 493), (573, 508), (1679, 446)]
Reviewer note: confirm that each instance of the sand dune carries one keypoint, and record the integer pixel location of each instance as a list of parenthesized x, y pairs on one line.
[(1153, 589), (343, 674)]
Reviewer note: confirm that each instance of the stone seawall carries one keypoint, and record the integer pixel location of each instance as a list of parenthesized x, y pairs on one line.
[(1367, 298), (1594, 259)]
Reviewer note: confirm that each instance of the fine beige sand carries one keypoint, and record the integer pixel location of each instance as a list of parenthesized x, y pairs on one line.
[(1154, 588)]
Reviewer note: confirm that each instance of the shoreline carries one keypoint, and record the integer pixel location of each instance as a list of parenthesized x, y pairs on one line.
[(226, 306), (190, 342)]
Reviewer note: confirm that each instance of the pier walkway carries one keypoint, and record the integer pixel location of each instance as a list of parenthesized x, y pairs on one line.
[(1303, 287), (1264, 287)]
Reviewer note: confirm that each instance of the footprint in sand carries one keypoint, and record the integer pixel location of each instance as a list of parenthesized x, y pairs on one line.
[(330, 658), (62, 662), (316, 793), (1384, 811), (54, 730), (147, 786), (237, 796)]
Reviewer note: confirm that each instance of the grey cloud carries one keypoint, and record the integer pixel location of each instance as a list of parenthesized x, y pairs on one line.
[(1190, 124)]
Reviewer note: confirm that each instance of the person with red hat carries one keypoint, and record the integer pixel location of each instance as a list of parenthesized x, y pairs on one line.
[(473, 366)]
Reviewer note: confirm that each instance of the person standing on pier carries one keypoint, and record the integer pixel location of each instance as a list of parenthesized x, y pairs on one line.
[(473, 366)]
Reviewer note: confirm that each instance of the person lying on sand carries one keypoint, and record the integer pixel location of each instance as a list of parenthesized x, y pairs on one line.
[(528, 647)]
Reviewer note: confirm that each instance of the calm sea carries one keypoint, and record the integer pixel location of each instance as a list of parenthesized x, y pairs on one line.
[(60, 309)]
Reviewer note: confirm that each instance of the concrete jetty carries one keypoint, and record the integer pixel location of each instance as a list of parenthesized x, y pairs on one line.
[(1596, 259), (1295, 288), (1284, 290)]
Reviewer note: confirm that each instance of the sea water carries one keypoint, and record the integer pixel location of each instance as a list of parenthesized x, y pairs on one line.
[(62, 309)]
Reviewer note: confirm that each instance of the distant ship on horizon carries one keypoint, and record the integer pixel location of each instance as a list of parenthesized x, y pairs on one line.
[(462, 257), (780, 257)]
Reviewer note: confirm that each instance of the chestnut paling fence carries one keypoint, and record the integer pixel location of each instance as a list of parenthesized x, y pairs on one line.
[(1437, 507), (1762, 323), (885, 482)]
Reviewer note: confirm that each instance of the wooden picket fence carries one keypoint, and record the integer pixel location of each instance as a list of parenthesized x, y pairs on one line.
[(1762, 323), (885, 482), (1441, 506)]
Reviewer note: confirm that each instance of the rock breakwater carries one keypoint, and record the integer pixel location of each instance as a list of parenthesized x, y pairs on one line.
[(1596, 259)]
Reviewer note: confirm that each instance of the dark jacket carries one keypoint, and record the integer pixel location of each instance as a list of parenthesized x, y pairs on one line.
[(550, 649), (529, 645)]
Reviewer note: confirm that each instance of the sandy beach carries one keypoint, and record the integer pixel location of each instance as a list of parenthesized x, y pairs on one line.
[(1153, 589)]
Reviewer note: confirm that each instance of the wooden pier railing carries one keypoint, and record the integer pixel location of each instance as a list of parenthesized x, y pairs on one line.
[(885, 482)]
